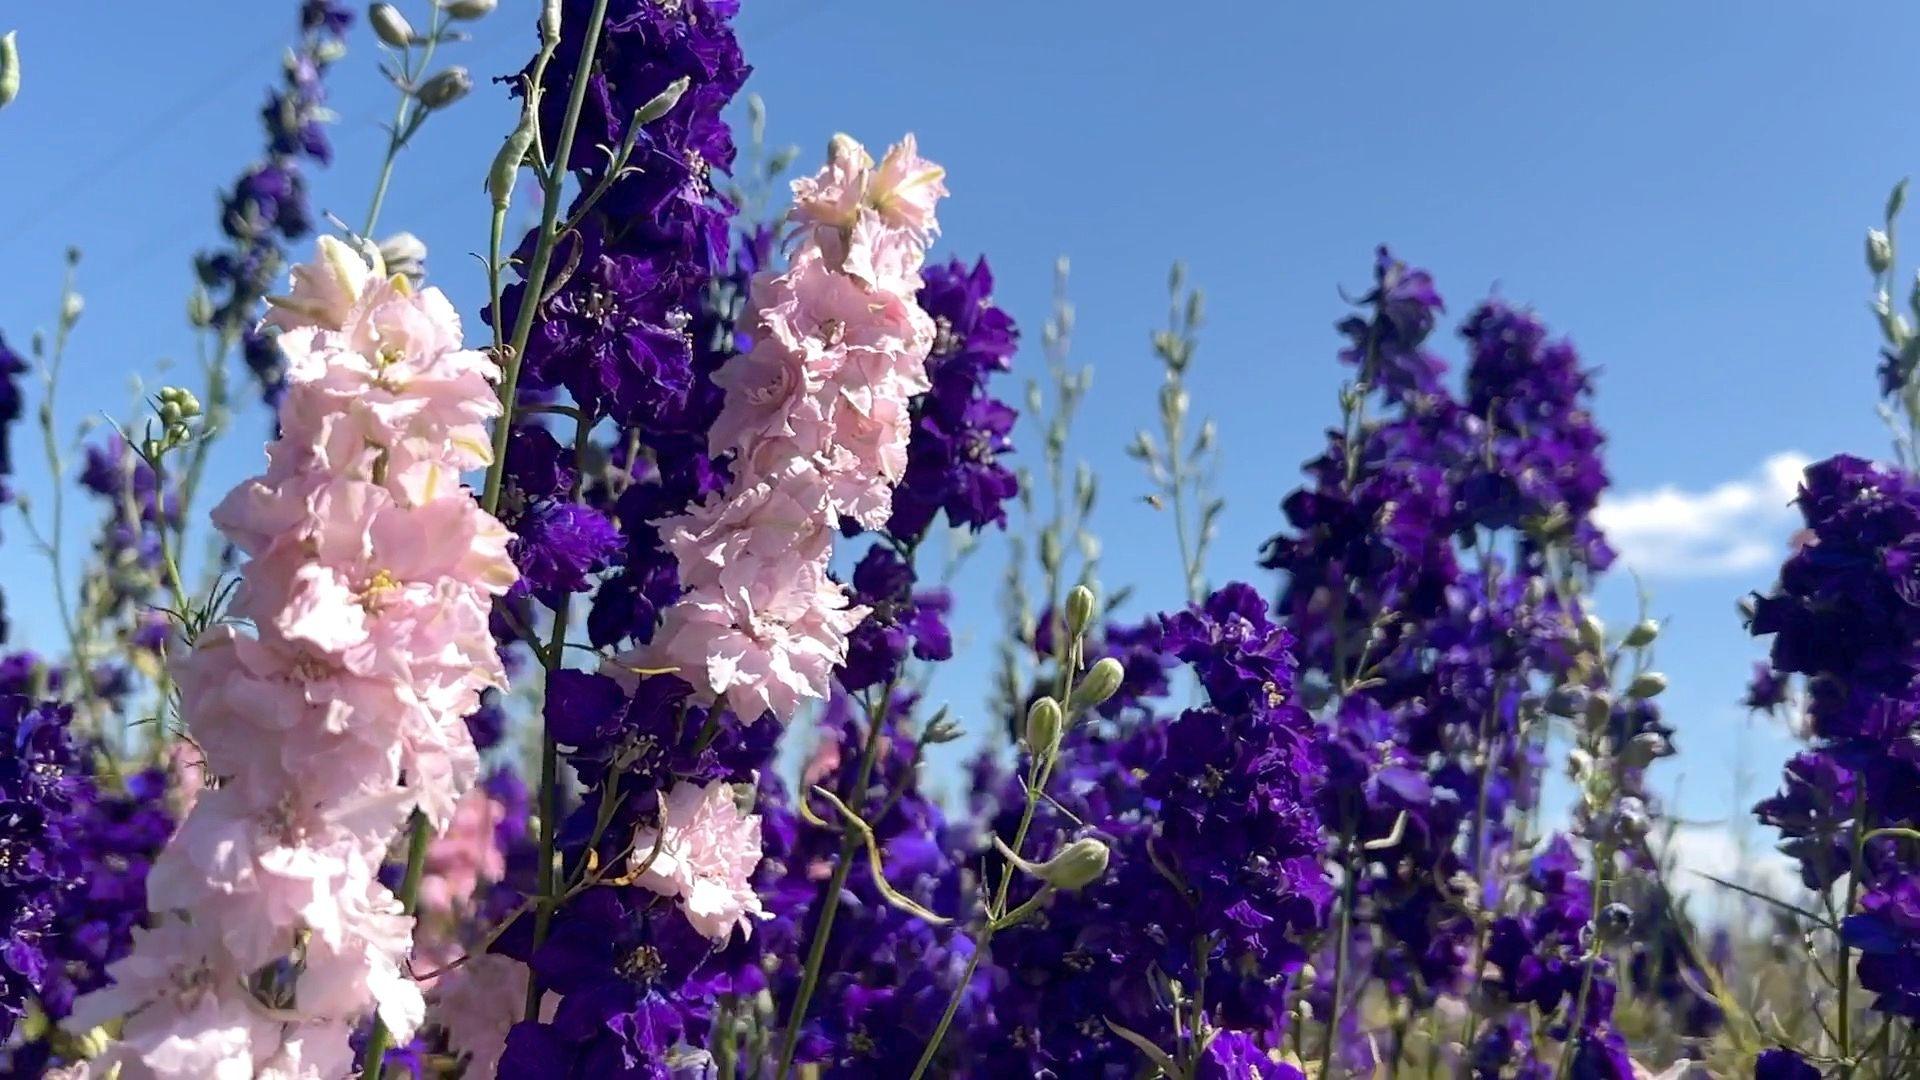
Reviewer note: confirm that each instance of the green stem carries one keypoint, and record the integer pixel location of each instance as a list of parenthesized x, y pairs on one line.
[(1037, 785), (378, 1042), (1340, 946), (410, 886), (830, 900), (404, 118)]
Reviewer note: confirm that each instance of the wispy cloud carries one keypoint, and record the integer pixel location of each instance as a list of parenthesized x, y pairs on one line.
[(1734, 527), (1702, 853)]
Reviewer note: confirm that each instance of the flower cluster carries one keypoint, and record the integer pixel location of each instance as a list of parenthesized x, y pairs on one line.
[(1844, 617), (817, 416), (1435, 573), (267, 205), (631, 332), (370, 580), (40, 866)]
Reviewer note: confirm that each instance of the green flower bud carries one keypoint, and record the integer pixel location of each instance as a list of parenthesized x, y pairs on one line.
[(1642, 634), (1044, 720), (199, 309), (1647, 685), (550, 22), (506, 163), (71, 305), (662, 102), (1098, 684), (170, 413), (1075, 866), (470, 9), (1879, 251), (445, 88), (390, 26), (9, 68), (1079, 610), (1593, 632)]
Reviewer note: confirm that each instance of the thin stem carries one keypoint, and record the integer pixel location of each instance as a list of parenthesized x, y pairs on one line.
[(1340, 945), (1037, 784), (377, 1043), (830, 900), (404, 119)]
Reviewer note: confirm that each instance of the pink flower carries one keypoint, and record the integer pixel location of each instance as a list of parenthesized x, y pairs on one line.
[(325, 289), (464, 855), (703, 856)]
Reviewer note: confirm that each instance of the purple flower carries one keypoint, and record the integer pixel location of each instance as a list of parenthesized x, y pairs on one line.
[(1783, 1065), (41, 789), (960, 430), (558, 546), (901, 621)]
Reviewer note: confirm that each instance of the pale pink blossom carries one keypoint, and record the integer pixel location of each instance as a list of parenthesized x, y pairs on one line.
[(369, 585), (478, 1002), (703, 856), (325, 289), (464, 855)]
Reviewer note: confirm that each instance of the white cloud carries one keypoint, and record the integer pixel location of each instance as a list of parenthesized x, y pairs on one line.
[(1734, 527), (1701, 853)]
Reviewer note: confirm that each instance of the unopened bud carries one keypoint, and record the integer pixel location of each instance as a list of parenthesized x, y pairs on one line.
[(9, 67), (1044, 720), (662, 103), (1879, 251), (1075, 866), (390, 26), (1614, 921), (199, 309), (1079, 610), (1647, 685), (1100, 682), (169, 413), (71, 305), (1632, 818), (1644, 749), (405, 254), (506, 164), (1593, 632), (550, 22), (445, 88), (1599, 710), (1642, 634), (470, 9)]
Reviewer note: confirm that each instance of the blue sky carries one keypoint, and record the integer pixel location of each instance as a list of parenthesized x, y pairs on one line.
[(1682, 192)]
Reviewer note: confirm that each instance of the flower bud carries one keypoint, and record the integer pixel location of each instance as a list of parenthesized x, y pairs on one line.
[(662, 103), (71, 305), (1044, 720), (9, 68), (1647, 685), (506, 163), (1593, 632), (405, 254), (550, 22), (199, 309), (1079, 610), (1879, 251), (1599, 710), (1075, 866), (1644, 749), (1642, 634), (445, 88), (1614, 921), (169, 413), (1100, 682), (470, 9), (1632, 818), (390, 26)]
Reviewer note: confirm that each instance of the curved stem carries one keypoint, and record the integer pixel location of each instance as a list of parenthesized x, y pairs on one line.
[(1037, 776), (417, 842), (830, 901), (404, 118)]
